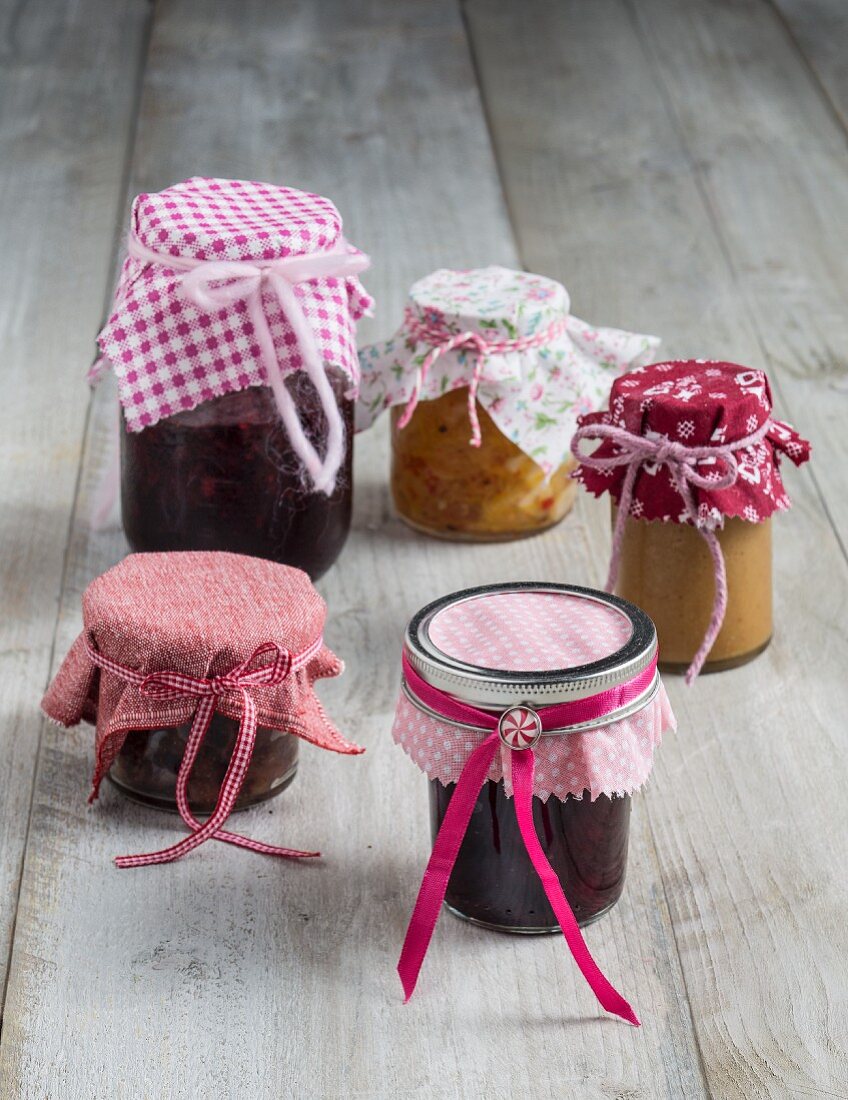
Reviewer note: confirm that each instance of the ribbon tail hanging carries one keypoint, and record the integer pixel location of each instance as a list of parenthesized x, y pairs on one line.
[(434, 885), (523, 769)]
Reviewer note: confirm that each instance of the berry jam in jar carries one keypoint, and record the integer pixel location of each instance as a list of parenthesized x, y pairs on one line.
[(493, 882), (223, 476), (531, 703), (146, 768)]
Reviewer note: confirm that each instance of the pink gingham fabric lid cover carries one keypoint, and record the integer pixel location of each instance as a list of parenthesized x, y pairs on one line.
[(534, 395), (532, 631), (167, 354)]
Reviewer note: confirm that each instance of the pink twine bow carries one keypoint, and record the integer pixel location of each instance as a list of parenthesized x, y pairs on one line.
[(238, 681), (213, 285), (442, 341), (635, 451), (454, 826)]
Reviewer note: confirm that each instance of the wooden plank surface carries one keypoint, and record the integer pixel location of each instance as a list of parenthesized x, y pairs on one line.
[(603, 176), (819, 29), (64, 136), (246, 976)]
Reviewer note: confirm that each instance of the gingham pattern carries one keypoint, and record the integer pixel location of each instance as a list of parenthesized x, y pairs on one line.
[(168, 354), (172, 684), (537, 632)]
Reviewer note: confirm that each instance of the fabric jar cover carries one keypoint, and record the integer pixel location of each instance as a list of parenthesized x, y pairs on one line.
[(509, 337), (690, 441), (565, 672), (229, 284), (169, 638)]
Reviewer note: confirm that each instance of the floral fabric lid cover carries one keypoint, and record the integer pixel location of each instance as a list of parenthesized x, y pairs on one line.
[(543, 369), (708, 417)]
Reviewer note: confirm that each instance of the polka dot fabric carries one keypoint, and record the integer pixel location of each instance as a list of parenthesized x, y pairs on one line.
[(537, 632), (529, 631), (168, 354)]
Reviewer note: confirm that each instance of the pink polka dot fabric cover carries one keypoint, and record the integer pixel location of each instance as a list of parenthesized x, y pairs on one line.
[(169, 355), (536, 631)]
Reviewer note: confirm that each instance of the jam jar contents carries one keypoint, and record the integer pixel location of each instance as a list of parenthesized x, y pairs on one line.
[(146, 767), (493, 882), (444, 487), (666, 569), (223, 476)]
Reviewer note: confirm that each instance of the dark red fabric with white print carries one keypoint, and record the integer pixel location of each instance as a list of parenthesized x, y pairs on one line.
[(195, 614), (697, 403)]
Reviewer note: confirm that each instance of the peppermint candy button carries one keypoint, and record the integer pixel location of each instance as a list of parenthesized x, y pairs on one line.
[(520, 727)]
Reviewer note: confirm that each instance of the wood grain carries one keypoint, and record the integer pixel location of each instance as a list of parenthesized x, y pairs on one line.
[(607, 191), (64, 129), (254, 978)]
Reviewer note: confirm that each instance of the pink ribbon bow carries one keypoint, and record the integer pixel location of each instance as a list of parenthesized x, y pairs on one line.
[(635, 451), (212, 285), (441, 341), (446, 847), (238, 681)]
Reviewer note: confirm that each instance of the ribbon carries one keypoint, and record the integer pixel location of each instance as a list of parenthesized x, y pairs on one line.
[(238, 681), (634, 451), (441, 341), (431, 894), (215, 284)]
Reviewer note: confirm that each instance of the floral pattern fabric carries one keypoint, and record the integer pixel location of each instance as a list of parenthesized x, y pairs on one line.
[(533, 396)]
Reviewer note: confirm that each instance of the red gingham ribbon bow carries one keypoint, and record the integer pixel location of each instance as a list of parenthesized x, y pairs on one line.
[(170, 684)]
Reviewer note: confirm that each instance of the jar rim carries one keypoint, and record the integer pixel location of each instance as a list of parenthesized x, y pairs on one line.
[(498, 688)]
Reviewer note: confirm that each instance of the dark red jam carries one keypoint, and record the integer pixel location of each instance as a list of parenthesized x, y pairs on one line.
[(223, 476), (493, 881), (147, 765)]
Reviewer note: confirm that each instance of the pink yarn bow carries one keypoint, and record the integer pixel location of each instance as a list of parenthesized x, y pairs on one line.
[(238, 681), (214, 284), (635, 451), (441, 341), (454, 826)]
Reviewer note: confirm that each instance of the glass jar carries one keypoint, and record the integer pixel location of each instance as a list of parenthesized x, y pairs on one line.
[(666, 569), (493, 882), (146, 768), (223, 476), (581, 665), (444, 487)]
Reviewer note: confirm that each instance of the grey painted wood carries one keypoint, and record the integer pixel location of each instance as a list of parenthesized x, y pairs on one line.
[(228, 972), (650, 173), (819, 29), (64, 128)]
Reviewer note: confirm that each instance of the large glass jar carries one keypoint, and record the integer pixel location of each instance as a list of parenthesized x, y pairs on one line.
[(493, 882), (146, 767), (444, 487), (666, 568), (223, 476)]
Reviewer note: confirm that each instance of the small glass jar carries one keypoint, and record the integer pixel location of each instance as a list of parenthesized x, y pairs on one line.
[(444, 487), (560, 653), (666, 569), (223, 476), (146, 768), (493, 882)]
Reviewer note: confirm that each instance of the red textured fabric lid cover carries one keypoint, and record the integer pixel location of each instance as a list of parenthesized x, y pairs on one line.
[(199, 613), (697, 402)]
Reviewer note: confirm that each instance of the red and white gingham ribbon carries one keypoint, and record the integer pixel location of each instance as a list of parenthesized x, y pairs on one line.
[(441, 341), (170, 684)]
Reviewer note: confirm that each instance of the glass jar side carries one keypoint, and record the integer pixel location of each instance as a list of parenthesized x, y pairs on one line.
[(146, 768), (666, 569), (493, 882), (223, 476), (443, 486)]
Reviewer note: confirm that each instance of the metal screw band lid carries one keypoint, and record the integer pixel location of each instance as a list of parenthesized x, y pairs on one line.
[(499, 688)]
